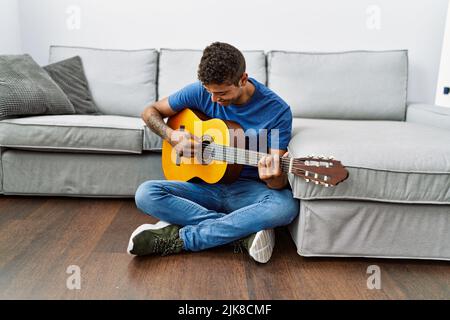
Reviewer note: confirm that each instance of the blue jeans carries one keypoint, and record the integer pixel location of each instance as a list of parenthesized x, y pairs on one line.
[(216, 214)]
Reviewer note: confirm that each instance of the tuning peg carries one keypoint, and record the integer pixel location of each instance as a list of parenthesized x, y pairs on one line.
[(307, 180), (326, 185), (316, 175), (330, 164), (316, 182)]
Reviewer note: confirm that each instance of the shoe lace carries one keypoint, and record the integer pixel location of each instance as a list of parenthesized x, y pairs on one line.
[(165, 246)]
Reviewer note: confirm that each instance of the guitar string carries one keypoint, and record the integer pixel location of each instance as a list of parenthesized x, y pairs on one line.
[(248, 154), (231, 150), (250, 158), (285, 162), (227, 157), (284, 165)]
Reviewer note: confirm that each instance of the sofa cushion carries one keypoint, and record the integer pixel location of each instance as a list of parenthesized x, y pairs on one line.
[(387, 161), (370, 229), (79, 133), (26, 89), (431, 115), (70, 77), (122, 82), (76, 174), (342, 85), (1, 171), (178, 68)]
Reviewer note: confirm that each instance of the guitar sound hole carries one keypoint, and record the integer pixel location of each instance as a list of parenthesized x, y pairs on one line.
[(207, 151)]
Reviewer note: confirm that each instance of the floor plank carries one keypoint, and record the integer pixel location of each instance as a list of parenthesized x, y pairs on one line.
[(40, 237)]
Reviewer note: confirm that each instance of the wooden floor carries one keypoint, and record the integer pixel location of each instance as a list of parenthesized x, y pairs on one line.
[(40, 237)]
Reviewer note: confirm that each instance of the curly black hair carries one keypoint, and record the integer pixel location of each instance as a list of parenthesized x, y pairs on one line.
[(221, 63)]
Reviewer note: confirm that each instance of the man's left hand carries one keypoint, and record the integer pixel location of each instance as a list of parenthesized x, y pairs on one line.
[(269, 167), (269, 171)]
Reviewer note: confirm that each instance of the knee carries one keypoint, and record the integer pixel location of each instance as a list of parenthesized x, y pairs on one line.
[(291, 211), (284, 207), (147, 193)]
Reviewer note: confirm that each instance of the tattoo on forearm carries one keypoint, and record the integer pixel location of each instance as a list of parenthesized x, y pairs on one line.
[(156, 123)]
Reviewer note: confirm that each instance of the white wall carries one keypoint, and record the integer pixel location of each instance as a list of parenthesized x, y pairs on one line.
[(319, 25), (9, 27), (444, 71)]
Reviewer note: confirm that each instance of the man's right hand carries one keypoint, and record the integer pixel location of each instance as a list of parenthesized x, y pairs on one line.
[(184, 143)]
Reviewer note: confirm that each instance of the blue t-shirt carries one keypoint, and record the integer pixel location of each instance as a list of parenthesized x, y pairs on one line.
[(264, 114)]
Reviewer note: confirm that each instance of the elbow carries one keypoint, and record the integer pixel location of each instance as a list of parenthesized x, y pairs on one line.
[(145, 114)]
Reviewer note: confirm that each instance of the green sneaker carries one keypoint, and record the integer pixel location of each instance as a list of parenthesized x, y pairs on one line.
[(160, 238), (260, 245)]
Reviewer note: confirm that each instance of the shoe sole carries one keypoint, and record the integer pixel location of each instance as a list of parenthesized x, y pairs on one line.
[(262, 246), (144, 227)]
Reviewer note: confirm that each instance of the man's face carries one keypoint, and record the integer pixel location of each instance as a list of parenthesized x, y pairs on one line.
[(224, 94)]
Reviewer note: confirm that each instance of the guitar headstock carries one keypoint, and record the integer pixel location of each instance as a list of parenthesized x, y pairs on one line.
[(321, 170)]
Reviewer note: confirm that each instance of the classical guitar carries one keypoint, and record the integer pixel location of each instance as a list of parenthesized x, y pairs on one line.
[(222, 154)]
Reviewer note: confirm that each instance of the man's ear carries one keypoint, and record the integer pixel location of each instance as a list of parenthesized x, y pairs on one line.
[(243, 80)]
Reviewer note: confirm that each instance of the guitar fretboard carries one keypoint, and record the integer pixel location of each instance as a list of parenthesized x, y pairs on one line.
[(242, 156)]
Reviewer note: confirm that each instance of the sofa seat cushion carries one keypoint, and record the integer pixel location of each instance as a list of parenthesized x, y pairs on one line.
[(431, 115), (79, 133), (387, 161)]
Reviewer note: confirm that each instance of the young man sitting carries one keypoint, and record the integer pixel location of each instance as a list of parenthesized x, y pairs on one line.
[(197, 215)]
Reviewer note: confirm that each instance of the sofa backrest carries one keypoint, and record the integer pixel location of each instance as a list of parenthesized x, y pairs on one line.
[(360, 85), (122, 82), (369, 85), (178, 68)]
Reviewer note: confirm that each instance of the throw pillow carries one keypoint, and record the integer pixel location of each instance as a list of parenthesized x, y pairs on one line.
[(26, 89), (69, 75)]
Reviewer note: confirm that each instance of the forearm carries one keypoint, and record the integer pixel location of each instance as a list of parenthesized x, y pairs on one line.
[(278, 182), (155, 122)]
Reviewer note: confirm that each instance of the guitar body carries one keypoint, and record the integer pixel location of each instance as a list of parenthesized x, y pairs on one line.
[(209, 130)]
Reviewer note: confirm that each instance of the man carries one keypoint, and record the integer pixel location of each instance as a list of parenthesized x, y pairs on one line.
[(197, 215)]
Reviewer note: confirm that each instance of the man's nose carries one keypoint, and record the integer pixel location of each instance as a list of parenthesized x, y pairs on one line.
[(214, 97)]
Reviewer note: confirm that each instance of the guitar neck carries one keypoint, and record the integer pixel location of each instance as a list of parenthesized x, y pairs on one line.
[(234, 155)]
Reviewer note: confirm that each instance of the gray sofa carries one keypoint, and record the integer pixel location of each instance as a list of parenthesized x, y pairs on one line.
[(352, 105)]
